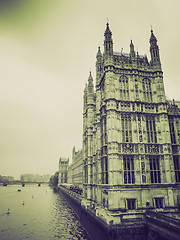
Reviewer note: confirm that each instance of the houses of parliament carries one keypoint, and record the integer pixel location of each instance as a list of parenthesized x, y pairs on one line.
[(130, 158)]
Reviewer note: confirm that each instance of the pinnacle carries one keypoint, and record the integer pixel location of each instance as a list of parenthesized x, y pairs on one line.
[(107, 31), (99, 52), (152, 36), (85, 89)]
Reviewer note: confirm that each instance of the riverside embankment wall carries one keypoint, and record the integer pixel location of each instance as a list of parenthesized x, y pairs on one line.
[(97, 228)]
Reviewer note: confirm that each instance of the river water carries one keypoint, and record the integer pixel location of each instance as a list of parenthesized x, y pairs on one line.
[(37, 213)]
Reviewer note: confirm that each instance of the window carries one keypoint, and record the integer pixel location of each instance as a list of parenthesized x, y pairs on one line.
[(151, 129), (133, 107), (85, 172), (126, 128), (124, 88), (177, 168), (172, 132), (128, 162), (140, 129), (131, 204), (158, 202), (104, 170), (65, 178), (154, 169), (146, 84), (103, 131), (102, 91)]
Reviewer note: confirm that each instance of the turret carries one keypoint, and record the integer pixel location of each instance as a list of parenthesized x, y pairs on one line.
[(145, 60), (154, 51), (137, 58), (73, 152), (99, 55), (90, 87), (98, 65), (132, 52), (108, 43), (85, 97)]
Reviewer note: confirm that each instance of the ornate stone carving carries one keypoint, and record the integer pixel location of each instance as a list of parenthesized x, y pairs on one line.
[(153, 149), (127, 148)]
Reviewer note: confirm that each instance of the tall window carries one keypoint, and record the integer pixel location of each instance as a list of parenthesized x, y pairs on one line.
[(104, 170), (102, 91), (103, 131), (65, 178), (85, 171), (158, 202), (128, 162), (154, 169), (146, 84), (124, 88), (151, 129), (131, 204), (126, 128), (172, 132), (91, 173), (177, 168), (62, 178)]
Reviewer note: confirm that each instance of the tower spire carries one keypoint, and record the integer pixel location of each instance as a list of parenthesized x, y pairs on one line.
[(90, 84), (154, 51), (98, 65), (132, 52), (108, 43)]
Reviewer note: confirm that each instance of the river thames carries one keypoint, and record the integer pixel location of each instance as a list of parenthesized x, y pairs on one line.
[(37, 213)]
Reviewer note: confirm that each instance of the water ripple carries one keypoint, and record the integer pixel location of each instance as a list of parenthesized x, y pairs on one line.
[(46, 215)]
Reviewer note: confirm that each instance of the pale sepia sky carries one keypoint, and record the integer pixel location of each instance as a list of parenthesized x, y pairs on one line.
[(46, 52)]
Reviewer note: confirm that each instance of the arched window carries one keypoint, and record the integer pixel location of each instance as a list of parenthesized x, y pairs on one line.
[(124, 87), (146, 85), (126, 128), (151, 129)]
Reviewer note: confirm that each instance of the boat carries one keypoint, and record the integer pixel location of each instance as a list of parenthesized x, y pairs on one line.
[(19, 190), (4, 184)]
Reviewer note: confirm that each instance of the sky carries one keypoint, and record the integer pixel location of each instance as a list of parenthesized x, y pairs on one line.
[(47, 50)]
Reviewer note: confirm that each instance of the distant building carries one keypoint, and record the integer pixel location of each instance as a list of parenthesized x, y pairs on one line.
[(29, 177), (46, 178), (131, 133), (70, 174), (63, 170), (6, 178)]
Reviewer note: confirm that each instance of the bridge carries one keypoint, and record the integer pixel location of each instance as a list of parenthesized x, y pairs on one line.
[(163, 226), (20, 182)]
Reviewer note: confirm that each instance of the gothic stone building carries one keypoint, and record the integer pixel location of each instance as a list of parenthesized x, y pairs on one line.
[(131, 133), (63, 170), (75, 169)]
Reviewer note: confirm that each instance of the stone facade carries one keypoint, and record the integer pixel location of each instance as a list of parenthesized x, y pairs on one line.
[(131, 133), (75, 170)]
